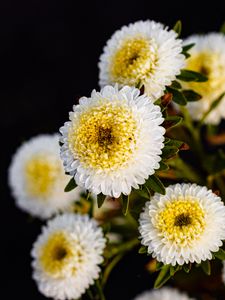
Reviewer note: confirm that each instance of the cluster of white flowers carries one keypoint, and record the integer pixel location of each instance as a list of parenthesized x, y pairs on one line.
[(112, 144)]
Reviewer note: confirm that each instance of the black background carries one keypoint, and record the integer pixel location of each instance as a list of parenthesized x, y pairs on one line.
[(49, 52)]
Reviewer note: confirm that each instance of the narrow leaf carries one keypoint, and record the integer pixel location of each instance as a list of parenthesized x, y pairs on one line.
[(213, 106), (155, 184), (125, 204), (191, 95), (220, 254), (169, 151), (178, 27), (70, 185), (178, 96), (159, 265), (142, 250), (187, 75), (186, 48), (206, 267), (163, 166), (172, 121), (176, 85), (174, 269), (222, 28), (187, 267), (100, 199), (163, 277)]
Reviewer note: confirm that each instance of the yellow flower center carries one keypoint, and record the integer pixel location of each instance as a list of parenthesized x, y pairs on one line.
[(208, 63), (41, 173), (134, 61), (181, 221), (104, 137), (58, 255)]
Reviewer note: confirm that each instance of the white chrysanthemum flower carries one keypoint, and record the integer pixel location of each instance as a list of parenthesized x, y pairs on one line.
[(165, 293), (66, 256), (37, 178), (145, 53), (185, 225), (113, 141), (207, 57)]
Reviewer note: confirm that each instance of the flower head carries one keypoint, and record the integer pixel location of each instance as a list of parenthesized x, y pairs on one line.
[(113, 140), (185, 225), (37, 178), (165, 293), (66, 256), (142, 53), (208, 57)]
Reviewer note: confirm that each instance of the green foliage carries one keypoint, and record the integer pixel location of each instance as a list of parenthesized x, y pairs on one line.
[(187, 75), (70, 185), (191, 95), (143, 250), (155, 184), (178, 27), (178, 96), (163, 277), (172, 121), (222, 28), (220, 254), (100, 199), (206, 267), (125, 203)]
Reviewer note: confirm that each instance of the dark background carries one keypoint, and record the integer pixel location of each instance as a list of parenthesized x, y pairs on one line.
[(48, 58)]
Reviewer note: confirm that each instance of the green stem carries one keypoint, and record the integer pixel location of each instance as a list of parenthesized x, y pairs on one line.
[(125, 247), (183, 170), (110, 267), (194, 131), (100, 290)]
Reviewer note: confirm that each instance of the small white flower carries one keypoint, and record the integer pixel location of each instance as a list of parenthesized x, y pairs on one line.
[(66, 256), (37, 178), (113, 141), (185, 225), (207, 57), (145, 53), (164, 293)]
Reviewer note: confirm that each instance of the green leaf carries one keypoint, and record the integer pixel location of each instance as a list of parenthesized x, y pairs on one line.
[(222, 28), (206, 267), (174, 269), (143, 193), (163, 277), (163, 166), (155, 184), (70, 185), (187, 75), (100, 199), (175, 143), (212, 107), (176, 85), (191, 95), (178, 27), (220, 254), (142, 250), (172, 121), (186, 48), (169, 151), (187, 267), (178, 96), (125, 203), (159, 265)]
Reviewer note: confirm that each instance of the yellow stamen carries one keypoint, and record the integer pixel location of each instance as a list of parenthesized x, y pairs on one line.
[(208, 63), (134, 61), (41, 173), (58, 255), (104, 137), (181, 221)]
